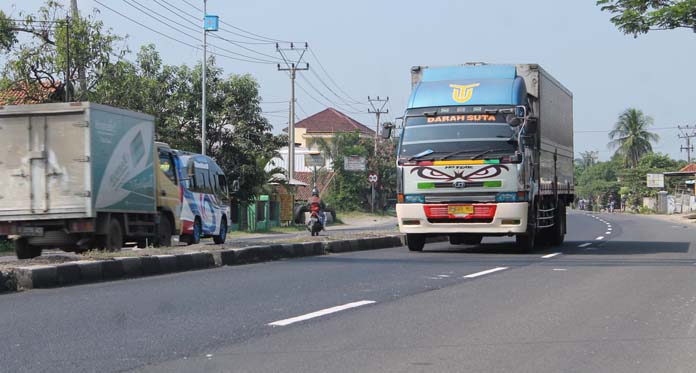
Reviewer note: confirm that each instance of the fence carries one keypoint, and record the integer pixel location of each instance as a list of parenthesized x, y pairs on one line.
[(257, 216)]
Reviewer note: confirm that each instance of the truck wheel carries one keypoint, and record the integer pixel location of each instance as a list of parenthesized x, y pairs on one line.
[(164, 232), (220, 238), (114, 236), (526, 242), (557, 232), (24, 250), (415, 242)]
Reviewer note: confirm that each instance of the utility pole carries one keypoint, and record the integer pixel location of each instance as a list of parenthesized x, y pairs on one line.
[(81, 75), (687, 136), (292, 67), (378, 110), (210, 23), (68, 85), (204, 84)]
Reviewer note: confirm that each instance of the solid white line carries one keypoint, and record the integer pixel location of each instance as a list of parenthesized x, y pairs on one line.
[(547, 256), (321, 313), (585, 244), (482, 273), (599, 238)]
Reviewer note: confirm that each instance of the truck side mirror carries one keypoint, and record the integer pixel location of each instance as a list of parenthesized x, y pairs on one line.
[(235, 186), (387, 130), (532, 126)]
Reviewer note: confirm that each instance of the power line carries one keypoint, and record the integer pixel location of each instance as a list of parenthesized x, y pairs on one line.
[(175, 39), (607, 131), (140, 6), (321, 66), (195, 28), (258, 37)]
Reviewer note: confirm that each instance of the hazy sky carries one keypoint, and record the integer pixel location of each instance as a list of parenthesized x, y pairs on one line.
[(367, 47)]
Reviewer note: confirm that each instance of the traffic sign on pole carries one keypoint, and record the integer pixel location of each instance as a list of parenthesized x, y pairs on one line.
[(372, 178)]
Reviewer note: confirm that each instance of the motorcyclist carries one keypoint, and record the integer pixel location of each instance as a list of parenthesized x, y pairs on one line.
[(318, 206)]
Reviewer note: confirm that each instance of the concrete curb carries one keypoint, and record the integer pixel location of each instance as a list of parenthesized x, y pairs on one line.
[(65, 274)]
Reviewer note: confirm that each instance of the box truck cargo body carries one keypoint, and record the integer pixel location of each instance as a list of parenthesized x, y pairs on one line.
[(77, 176)]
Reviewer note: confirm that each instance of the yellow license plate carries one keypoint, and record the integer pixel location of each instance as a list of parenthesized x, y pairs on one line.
[(460, 210)]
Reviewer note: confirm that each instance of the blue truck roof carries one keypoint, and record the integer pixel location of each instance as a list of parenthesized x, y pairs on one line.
[(468, 85)]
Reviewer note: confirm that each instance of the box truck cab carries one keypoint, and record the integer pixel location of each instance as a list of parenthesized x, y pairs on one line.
[(485, 150)]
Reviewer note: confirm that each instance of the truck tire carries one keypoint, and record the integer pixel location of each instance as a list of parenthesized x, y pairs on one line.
[(415, 242), (526, 242), (164, 232), (556, 234), (24, 250), (220, 238), (114, 236)]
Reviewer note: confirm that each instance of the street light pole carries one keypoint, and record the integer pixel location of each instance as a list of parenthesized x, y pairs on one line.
[(203, 105)]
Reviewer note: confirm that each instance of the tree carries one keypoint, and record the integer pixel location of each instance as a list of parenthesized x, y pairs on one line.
[(631, 136), (587, 159), (640, 16), (42, 61)]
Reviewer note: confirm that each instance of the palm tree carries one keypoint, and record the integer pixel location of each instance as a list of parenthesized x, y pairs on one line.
[(631, 136)]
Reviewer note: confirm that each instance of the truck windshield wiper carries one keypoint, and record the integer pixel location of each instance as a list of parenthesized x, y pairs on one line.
[(420, 155), (459, 152), (487, 152)]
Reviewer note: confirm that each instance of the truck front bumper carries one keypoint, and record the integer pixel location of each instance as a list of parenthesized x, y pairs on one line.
[(509, 218)]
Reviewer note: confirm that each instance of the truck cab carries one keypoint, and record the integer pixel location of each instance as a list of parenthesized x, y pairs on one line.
[(473, 160)]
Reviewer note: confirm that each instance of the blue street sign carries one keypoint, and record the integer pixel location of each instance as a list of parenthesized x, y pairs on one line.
[(211, 23)]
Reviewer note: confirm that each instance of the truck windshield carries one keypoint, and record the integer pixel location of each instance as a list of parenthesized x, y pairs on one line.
[(455, 134)]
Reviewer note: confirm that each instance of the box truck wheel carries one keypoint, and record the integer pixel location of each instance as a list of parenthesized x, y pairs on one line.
[(24, 250), (164, 232), (415, 242), (114, 236)]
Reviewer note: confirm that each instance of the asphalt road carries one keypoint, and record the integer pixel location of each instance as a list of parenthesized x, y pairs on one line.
[(623, 301)]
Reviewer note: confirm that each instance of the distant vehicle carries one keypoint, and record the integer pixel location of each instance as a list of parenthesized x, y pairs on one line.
[(79, 176), (485, 150), (205, 210)]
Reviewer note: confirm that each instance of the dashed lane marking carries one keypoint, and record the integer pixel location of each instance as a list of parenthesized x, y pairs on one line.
[(607, 232), (483, 273), (599, 238), (560, 269), (585, 244), (320, 313), (548, 256)]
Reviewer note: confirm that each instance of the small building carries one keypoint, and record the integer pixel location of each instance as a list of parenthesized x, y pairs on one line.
[(322, 125)]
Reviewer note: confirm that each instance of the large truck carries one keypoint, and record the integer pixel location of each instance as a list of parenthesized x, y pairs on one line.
[(485, 150), (79, 176)]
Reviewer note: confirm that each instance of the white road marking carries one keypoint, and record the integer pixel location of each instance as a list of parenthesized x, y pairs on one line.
[(607, 232), (609, 228), (585, 244), (599, 238), (319, 313), (443, 276), (547, 256), (482, 273), (560, 269)]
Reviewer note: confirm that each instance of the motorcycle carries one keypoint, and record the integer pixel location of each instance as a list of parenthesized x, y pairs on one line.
[(314, 224)]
